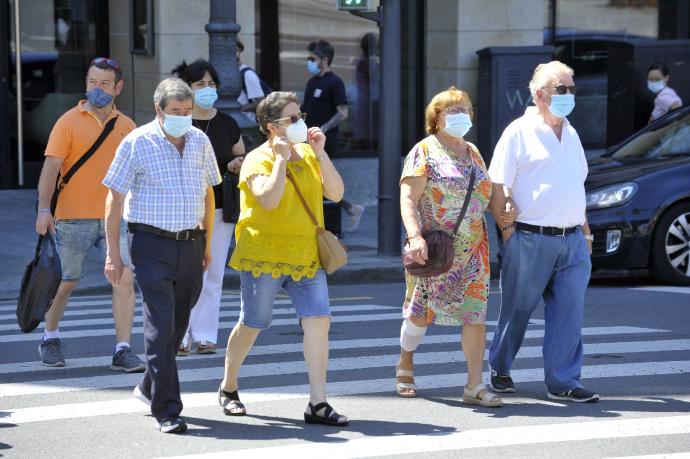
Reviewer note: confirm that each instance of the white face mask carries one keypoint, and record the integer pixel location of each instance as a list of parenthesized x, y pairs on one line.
[(297, 132), (656, 86), (458, 124)]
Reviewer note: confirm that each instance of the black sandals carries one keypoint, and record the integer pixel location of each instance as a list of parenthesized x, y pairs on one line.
[(330, 416)]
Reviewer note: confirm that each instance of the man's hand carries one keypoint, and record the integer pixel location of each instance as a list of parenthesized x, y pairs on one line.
[(507, 233), (281, 148), (206, 261), (45, 222), (509, 214), (113, 268), (316, 139), (235, 165)]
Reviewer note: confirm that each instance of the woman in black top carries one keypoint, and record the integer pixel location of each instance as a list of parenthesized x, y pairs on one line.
[(226, 139)]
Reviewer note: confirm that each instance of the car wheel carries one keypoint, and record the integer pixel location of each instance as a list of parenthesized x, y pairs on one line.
[(670, 257)]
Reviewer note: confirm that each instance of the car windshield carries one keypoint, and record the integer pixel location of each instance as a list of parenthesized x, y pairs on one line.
[(668, 139)]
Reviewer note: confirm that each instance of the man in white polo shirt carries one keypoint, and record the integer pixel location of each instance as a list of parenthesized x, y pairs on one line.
[(540, 167)]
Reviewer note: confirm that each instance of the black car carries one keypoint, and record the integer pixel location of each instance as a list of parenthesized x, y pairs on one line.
[(638, 201)]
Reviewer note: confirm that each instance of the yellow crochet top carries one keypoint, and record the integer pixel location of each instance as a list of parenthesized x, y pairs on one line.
[(281, 241)]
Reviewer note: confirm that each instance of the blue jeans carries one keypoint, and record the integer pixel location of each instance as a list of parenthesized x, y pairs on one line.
[(557, 269), (309, 296)]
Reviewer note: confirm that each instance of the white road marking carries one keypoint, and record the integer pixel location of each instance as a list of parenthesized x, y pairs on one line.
[(290, 367), (470, 439), (91, 362), (664, 289), (46, 413)]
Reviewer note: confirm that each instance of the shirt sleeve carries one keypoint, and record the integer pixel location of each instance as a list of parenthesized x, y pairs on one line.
[(256, 163), (122, 171), (503, 168), (415, 163), (339, 96), (212, 173), (59, 142), (253, 85)]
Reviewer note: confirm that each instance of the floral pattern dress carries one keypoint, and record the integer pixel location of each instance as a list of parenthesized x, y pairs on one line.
[(459, 296)]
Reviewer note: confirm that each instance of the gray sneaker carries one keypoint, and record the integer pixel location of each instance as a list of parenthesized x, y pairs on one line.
[(126, 360), (50, 351)]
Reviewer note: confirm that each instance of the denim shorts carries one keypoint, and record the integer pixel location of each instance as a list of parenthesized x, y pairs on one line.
[(75, 237), (309, 296)]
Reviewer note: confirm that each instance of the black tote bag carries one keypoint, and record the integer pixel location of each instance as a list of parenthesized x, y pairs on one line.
[(231, 197), (39, 285)]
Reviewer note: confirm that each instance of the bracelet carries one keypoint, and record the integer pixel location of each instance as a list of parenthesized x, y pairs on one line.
[(589, 237), (411, 236), (44, 210), (507, 227), (321, 157)]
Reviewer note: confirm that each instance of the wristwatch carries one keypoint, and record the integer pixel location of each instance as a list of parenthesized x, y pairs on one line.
[(589, 237)]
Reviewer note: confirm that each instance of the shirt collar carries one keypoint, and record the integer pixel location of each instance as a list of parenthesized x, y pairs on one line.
[(81, 106)]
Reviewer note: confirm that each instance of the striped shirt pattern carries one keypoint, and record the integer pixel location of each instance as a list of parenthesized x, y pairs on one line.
[(167, 190)]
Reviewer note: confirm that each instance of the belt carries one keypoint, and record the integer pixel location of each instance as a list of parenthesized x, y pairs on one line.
[(184, 235), (548, 230)]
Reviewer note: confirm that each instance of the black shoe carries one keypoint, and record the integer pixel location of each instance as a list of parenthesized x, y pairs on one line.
[(171, 424), (578, 395), (503, 384)]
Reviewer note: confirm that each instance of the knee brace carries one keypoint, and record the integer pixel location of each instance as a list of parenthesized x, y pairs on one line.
[(411, 335)]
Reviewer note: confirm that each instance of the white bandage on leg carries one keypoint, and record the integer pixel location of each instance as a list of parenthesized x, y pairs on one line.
[(411, 335)]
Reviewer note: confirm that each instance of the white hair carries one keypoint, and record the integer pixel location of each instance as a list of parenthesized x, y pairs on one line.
[(171, 88), (545, 74)]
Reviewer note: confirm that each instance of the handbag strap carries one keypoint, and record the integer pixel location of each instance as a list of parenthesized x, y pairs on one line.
[(60, 184), (288, 174), (470, 188)]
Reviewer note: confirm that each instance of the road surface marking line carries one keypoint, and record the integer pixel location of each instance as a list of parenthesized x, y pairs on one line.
[(663, 289), (291, 367), (366, 387)]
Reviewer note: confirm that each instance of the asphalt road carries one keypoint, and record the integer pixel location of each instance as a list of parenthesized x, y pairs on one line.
[(637, 343)]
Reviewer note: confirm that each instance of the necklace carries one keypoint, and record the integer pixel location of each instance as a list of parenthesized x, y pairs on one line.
[(199, 125)]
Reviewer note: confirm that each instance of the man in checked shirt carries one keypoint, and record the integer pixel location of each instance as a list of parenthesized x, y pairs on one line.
[(169, 167)]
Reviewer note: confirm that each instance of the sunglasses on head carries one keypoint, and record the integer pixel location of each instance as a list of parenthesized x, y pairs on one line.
[(293, 118), (562, 89), (104, 60)]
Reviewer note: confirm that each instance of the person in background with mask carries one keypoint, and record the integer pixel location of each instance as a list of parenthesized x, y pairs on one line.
[(666, 98), (276, 246), (540, 164), (226, 139), (433, 188), (170, 168), (325, 105), (78, 218)]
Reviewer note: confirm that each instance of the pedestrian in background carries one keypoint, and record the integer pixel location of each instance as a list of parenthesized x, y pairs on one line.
[(79, 216), (540, 164), (169, 167), (276, 246), (325, 105), (226, 139), (253, 91), (666, 98), (433, 189)]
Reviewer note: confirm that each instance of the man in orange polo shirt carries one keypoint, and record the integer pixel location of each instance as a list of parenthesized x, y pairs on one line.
[(79, 217)]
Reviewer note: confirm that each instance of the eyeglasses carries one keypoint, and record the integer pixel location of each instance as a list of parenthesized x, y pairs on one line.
[(457, 110), (561, 89), (104, 60), (293, 118)]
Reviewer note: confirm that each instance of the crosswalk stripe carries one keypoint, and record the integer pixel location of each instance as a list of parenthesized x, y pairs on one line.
[(297, 366), (234, 313), (21, 416), (663, 289), (473, 438), (91, 362)]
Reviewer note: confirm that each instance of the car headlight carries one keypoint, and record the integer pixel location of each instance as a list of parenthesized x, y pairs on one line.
[(614, 195)]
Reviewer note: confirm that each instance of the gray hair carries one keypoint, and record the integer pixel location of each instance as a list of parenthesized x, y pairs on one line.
[(172, 88), (545, 74), (271, 107)]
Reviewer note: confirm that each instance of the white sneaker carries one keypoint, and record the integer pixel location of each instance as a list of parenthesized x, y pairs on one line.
[(354, 218)]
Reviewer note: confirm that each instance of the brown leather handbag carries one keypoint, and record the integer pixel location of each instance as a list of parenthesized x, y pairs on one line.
[(332, 252), (440, 251)]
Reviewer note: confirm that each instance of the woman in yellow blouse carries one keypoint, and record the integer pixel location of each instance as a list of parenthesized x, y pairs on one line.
[(276, 246)]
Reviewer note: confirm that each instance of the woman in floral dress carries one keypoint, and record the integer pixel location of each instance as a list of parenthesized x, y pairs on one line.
[(433, 189)]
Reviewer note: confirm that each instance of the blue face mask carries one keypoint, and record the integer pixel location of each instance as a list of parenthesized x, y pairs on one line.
[(313, 67), (458, 124), (99, 98), (176, 125), (562, 105), (656, 86), (206, 97)]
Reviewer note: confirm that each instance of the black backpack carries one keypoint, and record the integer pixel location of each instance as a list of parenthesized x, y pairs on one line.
[(265, 87)]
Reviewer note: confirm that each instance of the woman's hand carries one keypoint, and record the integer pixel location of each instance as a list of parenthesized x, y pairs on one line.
[(317, 140), (417, 249), (281, 147), (235, 165)]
